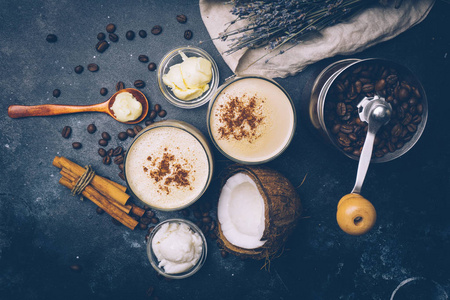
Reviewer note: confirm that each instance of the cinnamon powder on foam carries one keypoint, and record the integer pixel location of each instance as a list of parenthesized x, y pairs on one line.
[(240, 117)]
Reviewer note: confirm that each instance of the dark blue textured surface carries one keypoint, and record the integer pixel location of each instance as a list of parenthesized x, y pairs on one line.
[(44, 230)]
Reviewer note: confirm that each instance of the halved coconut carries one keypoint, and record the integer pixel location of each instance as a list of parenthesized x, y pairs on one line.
[(258, 208)]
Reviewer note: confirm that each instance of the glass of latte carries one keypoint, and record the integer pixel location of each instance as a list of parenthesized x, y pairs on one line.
[(251, 119), (169, 165)]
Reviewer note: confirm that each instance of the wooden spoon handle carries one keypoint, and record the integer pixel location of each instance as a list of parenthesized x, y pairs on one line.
[(21, 111)]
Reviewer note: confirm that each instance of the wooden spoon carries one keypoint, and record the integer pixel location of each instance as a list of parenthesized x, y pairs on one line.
[(21, 111)]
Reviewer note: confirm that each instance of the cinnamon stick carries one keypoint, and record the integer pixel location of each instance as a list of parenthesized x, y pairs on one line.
[(73, 178), (99, 183), (90, 193)]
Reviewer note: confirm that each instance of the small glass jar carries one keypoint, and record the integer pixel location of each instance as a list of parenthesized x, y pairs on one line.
[(268, 137), (151, 186), (154, 260), (173, 57)]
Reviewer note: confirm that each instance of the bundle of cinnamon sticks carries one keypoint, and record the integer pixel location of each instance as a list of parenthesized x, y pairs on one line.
[(106, 194)]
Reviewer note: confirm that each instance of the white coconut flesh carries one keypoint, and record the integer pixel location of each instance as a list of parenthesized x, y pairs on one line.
[(240, 212)]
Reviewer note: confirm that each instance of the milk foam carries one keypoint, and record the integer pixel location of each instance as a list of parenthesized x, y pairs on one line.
[(143, 163), (271, 135)]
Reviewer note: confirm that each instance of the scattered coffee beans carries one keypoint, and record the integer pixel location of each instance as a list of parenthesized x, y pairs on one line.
[(162, 113), (117, 151), (137, 129), (152, 66), (188, 34), (143, 34), (130, 132), (113, 37), (130, 35), (51, 38), (156, 30), (91, 128), (118, 160), (78, 69), (181, 19), (76, 145), (92, 67), (102, 46), (143, 58), (120, 86), (122, 136), (103, 142), (152, 115), (106, 160), (106, 136), (67, 130), (103, 91), (56, 93), (139, 84), (148, 122), (101, 36), (102, 152), (157, 108), (366, 80), (110, 28), (110, 152)]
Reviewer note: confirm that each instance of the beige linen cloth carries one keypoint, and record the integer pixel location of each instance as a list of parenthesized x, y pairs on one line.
[(369, 28)]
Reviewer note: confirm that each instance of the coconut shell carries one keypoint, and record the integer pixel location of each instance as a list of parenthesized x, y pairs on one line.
[(282, 211)]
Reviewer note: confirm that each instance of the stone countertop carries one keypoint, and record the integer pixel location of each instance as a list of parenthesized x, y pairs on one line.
[(44, 230)]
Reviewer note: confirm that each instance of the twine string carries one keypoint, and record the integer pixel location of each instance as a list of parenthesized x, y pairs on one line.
[(83, 181)]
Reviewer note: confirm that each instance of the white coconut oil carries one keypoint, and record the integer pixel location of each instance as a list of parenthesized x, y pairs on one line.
[(177, 247)]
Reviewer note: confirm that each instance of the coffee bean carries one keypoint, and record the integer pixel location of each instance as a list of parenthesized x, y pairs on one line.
[(156, 30), (103, 91), (206, 219), (110, 28), (139, 84), (181, 19), (103, 142), (113, 37), (130, 35), (51, 38), (346, 128), (106, 160), (122, 176), (101, 36), (92, 67), (122, 136), (67, 130), (341, 109), (412, 128), (75, 268), (117, 151), (78, 69), (76, 145), (155, 220), (121, 167), (102, 46), (149, 214), (130, 132), (143, 58), (106, 136), (91, 128), (137, 129), (152, 66), (157, 108), (143, 226), (120, 86), (110, 152), (343, 140), (145, 220), (56, 93), (101, 152), (99, 210), (380, 85), (396, 130), (188, 34), (392, 79), (148, 122), (143, 34), (162, 113), (367, 88)]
